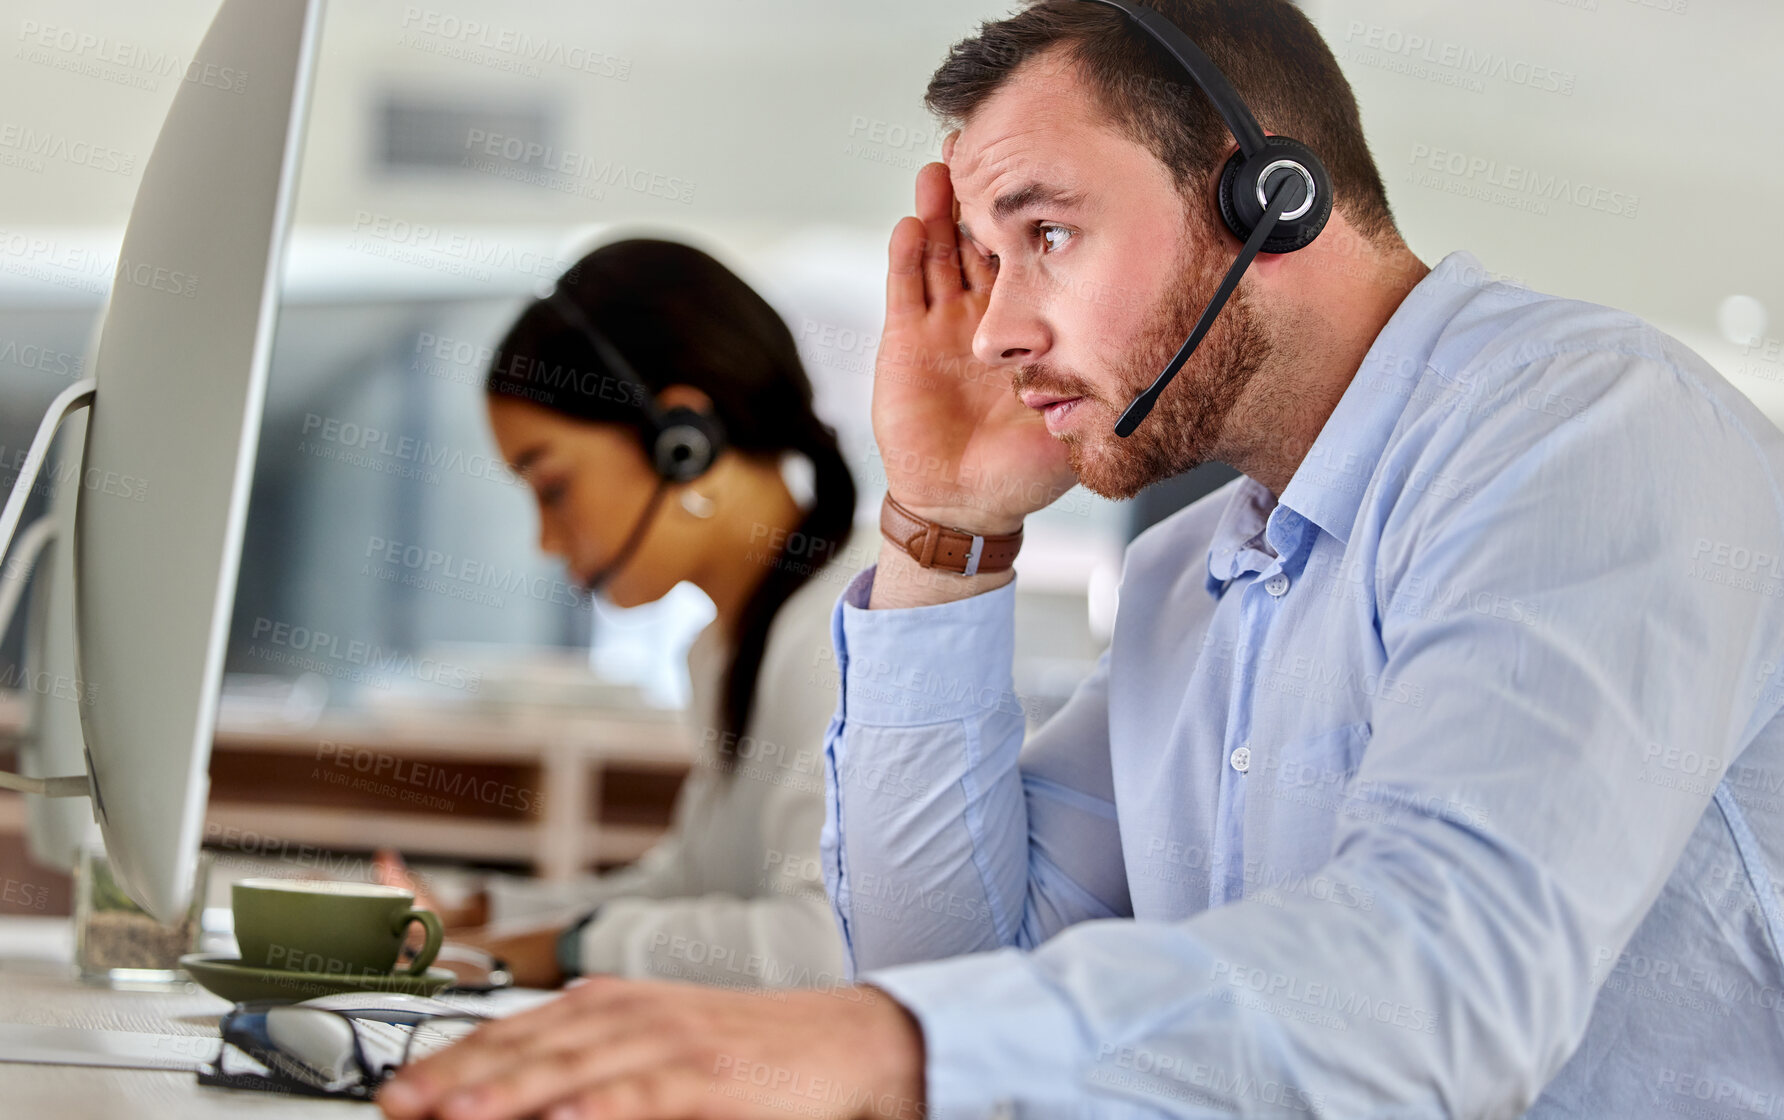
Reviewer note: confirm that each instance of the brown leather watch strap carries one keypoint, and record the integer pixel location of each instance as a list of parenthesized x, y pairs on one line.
[(950, 550)]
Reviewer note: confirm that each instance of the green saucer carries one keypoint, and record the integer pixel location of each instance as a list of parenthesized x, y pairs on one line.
[(238, 983)]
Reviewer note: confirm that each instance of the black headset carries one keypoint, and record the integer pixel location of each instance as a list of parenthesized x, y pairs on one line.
[(1275, 194), (681, 443)]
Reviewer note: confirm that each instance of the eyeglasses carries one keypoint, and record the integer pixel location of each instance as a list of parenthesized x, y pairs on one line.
[(324, 1051)]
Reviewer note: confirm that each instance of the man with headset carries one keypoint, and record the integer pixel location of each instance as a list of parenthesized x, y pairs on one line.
[(1435, 767)]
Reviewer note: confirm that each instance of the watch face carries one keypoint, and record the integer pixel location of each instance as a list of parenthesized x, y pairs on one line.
[(569, 945)]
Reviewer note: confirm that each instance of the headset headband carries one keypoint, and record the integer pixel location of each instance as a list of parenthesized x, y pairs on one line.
[(1226, 99), (682, 443), (574, 316)]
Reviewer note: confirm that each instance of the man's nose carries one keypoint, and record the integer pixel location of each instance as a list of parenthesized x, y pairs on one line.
[(1013, 331)]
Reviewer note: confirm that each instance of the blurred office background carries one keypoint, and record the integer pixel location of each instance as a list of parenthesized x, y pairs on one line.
[(461, 152)]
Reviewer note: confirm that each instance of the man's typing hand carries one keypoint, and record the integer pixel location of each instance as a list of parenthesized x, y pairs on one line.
[(628, 1050)]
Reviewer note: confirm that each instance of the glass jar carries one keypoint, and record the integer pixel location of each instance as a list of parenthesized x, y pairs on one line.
[(115, 941)]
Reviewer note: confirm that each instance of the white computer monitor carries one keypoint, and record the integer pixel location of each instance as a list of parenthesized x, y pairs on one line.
[(51, 742), (179, 382)]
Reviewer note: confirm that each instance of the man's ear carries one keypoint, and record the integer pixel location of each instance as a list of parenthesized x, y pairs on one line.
[(948, 146)]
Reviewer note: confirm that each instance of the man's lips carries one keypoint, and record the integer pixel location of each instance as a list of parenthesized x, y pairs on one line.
[(1056, 408), (1040, 402)]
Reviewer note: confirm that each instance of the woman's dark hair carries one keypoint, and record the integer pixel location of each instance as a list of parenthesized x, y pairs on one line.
[(681, 318)]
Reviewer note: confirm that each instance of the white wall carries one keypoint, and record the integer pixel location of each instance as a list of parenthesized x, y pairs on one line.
[(752, 102), (1675, 103)]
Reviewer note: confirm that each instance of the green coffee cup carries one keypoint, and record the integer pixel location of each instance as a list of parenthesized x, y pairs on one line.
[(303, 925)]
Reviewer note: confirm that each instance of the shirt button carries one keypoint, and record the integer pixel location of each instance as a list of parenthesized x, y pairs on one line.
[(1241, 759), (1277, 585)]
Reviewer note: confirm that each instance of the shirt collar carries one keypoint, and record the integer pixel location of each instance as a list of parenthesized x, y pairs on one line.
[(1233, 552), (1328, 487)]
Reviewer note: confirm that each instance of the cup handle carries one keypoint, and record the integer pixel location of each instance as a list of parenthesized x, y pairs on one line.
[(436, 933)]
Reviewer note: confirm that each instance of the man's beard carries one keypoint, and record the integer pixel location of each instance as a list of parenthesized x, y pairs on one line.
[(1185, 427)]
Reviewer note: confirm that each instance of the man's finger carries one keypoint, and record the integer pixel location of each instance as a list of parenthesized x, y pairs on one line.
[(565, 1071), (526, 1024), (591, 1010), (423, 1087), (941, 257), (665, 1094), (420, 1087), (904, 269)]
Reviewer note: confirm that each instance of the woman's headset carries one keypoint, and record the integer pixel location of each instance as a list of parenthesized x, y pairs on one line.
[(1275, 195), (681, 443)]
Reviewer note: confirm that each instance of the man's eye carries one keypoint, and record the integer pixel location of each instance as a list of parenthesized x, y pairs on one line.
[(1054, 236), (550, 494)]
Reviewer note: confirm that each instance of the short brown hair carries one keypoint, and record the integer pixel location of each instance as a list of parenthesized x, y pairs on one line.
[(1268, 49)]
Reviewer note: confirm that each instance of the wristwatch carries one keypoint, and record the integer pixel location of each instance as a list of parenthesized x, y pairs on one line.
[(569, 944), (937, 546)]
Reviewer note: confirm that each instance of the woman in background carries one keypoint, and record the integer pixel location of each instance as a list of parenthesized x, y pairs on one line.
[(654, 403)]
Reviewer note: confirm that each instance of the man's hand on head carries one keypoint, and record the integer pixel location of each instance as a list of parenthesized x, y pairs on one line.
[(629, 1050), (958, 446)]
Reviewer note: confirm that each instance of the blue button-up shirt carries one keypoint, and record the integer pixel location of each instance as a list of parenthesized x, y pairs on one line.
[(1449, 784)]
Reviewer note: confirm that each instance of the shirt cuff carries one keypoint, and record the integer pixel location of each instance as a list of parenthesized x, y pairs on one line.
[(924, 665), (995, 1037)]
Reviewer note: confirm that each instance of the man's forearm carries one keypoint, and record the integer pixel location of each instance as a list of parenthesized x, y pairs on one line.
[(930, 720)]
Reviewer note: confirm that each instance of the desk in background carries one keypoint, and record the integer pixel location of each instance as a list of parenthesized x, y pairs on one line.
[(285, 783)]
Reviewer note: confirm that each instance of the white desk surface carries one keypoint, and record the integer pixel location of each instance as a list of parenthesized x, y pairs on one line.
[(37, 987)]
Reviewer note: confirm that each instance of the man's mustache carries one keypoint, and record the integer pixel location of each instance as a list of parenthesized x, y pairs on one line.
[(1041, 379)]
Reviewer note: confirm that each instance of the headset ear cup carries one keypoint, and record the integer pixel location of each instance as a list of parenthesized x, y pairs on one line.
[(1228, 176), (687, 444), (1241, 210)]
